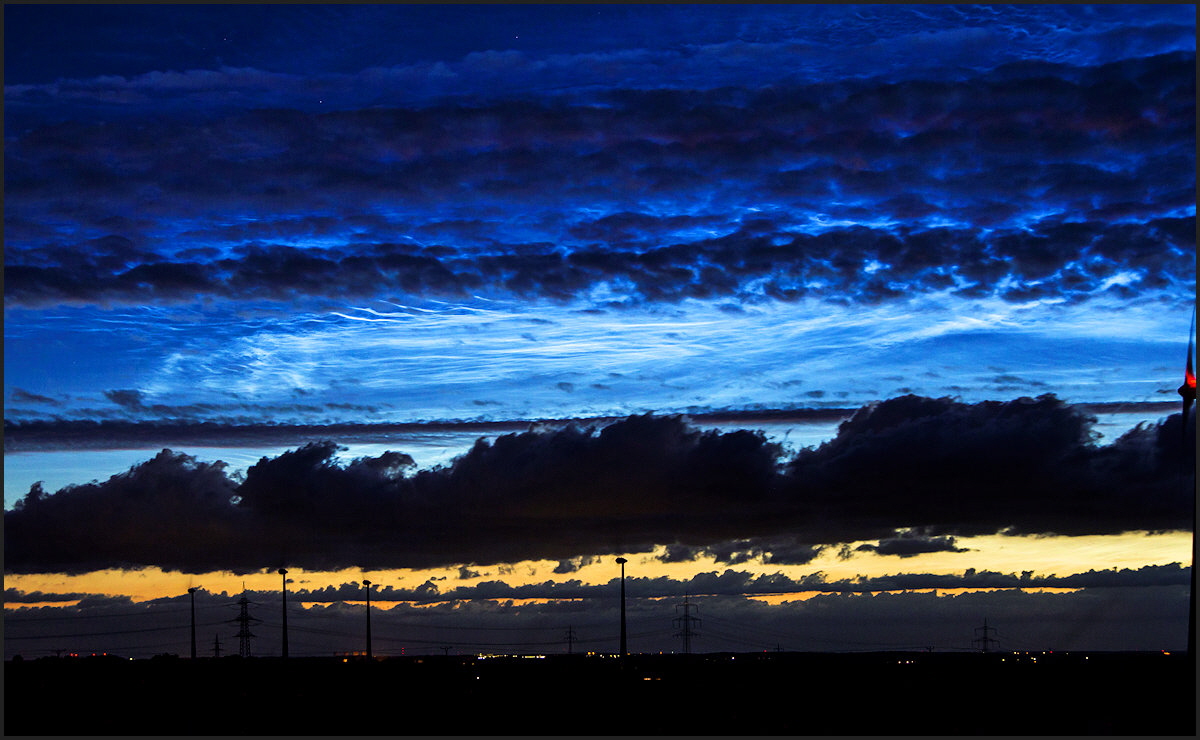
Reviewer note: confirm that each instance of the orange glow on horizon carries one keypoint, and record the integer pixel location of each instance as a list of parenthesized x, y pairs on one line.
[(390, 603), (776, 599), (1043, 556), (40, 604)]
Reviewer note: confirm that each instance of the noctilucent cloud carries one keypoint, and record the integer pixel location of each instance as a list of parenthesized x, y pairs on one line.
[(892, 255), (574, 211)]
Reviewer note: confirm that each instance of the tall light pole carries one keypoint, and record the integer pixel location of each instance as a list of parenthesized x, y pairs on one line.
[(622, 561), (367, 583), (283, 572), (192, 593)]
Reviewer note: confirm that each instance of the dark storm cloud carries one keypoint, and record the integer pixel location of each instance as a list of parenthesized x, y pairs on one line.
[(20, 395), (959, 469), (91, 434), (96, 602), (189, 423), (1149, 575), (856, 264), (785, 551), (790, 553), (171, 493), (934, 467), (909, 544), (572, 565), (677, 553), (128, 399), (392, 200), (17, 596), (353, 591)]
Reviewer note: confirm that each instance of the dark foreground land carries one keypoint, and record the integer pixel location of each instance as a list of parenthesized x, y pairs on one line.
[(715, 694)]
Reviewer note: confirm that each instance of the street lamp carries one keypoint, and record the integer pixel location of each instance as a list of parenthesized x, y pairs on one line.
[(368, 585), (192, 593), (622, 561), (283, 572)]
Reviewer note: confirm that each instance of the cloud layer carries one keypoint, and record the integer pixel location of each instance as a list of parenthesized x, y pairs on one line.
[(496, 213), (1026, 181), (911, 472)]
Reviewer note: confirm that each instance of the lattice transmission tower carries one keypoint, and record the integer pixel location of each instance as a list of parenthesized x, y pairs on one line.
[(684, 624), (987, 640), (244, 619)]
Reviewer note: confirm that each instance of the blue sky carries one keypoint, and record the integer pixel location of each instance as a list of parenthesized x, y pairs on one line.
[(254, 222)]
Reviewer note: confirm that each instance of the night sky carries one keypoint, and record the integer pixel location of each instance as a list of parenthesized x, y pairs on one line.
[(807, 310)]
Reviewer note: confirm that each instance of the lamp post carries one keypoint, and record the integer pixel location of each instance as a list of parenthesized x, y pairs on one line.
[(192, 593), (622, 561), (283, 572), (367, 583)]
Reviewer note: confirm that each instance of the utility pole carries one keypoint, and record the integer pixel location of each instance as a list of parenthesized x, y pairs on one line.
[(367, 584), (570, 639), (685, 625), (216, 646), (624, 646), (283, 572), (192, 593), (985, 641)]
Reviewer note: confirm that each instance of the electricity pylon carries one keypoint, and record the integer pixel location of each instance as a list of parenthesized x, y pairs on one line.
[(244, 619), (985, 641), (684, 624)]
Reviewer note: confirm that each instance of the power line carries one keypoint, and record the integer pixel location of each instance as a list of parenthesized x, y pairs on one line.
[(154, 611), (57, 636)]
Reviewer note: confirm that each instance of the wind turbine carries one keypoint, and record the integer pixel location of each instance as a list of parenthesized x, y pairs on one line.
[(1188, 389), (1188, 392)]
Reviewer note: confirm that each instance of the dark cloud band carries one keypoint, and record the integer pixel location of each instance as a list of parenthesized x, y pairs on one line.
[(1040, 181), (911, 472)]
